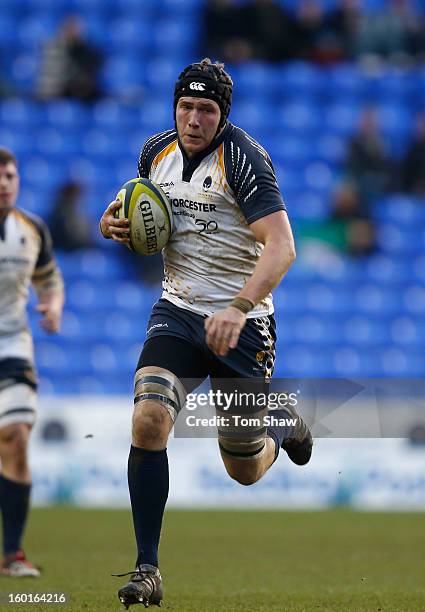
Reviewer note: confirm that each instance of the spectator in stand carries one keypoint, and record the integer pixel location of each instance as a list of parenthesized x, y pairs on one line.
[(309, 23), (392, 33), (342, 24), (70, 228), (226, 31), (414, 162), (348, 229), (258, 29), (368, 165), (271, 30), (351, 216), (70, 65)]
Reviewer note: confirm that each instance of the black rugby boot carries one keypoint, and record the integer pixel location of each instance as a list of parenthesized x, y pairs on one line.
[(297, 440), (144, 587), (299, 443)]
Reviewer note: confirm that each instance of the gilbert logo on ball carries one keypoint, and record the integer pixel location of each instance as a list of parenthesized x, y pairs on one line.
[(149, 211)]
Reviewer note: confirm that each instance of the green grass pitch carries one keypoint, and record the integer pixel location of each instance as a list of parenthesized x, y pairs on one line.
[(234, 560)]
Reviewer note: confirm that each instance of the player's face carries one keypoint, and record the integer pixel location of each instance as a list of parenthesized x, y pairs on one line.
[(197, 122), (9, 185)]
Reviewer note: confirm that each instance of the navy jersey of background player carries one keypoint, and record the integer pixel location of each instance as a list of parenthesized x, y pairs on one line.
[(215, 195)]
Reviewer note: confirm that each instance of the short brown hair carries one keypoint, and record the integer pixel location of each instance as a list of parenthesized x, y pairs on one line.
[(7, 156)]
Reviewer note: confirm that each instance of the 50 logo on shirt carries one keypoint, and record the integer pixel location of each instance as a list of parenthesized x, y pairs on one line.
[(207, 227)]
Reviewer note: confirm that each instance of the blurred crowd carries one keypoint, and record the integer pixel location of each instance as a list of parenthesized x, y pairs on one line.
[(70, 65), (368, 174), (266, 30), (237, 31)]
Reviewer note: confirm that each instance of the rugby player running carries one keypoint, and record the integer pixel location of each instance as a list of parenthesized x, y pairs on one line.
[(231, 246), (25, 257)]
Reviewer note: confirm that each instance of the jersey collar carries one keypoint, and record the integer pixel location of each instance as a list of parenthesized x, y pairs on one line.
[(190, 165)]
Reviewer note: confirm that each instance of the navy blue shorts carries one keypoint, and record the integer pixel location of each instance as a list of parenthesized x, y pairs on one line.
[(175, 340)]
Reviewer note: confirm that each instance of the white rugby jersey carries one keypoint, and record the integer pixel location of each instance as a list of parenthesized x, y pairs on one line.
[(25, 257), (215, 195)]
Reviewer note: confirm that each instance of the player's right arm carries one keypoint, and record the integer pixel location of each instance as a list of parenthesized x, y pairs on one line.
[(118, 229), (48, 282)]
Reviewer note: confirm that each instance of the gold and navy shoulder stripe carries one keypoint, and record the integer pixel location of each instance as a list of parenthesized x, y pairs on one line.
[(41, 233), (152, 147), (250, 174)]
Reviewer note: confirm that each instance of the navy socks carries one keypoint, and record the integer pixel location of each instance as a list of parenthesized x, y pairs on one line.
[(148, 486), (279, 433), (14, 506)]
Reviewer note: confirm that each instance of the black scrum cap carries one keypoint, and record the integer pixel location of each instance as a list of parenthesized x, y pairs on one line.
[(206, 80)]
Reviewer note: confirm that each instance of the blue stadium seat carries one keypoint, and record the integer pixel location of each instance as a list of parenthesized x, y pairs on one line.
[(398, 362), (156, 117), (330, 148), (347, 361), (33, 32), (40, 172), (308, 205), (24, 72), (248, 113), (394, 239), (97, 28), (162, 72), (293, 151), (301, 116), (299, 80), (395, 85), (394, 119), (108, 114), (383, 268), (414, 299), (345, 81), (363, 331), (170, 34), (7, 29), (103, 358), (87, 295), (36, 198), (98, 143), (122, 77), (18, 112), (17, 140), (130, 35), (134, 7), (371, 298), (52, 142), (401, 209), (406, 331), (67, 113), (418, 269), (319, 176), (85, 170), (51, 356), (341, 119), (258, 77), (180, 7)]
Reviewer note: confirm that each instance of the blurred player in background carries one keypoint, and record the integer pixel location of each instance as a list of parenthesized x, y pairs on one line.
[(25, 257), (231, 246)]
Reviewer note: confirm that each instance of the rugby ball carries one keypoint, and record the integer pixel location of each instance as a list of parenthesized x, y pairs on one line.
[(149, 211)]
